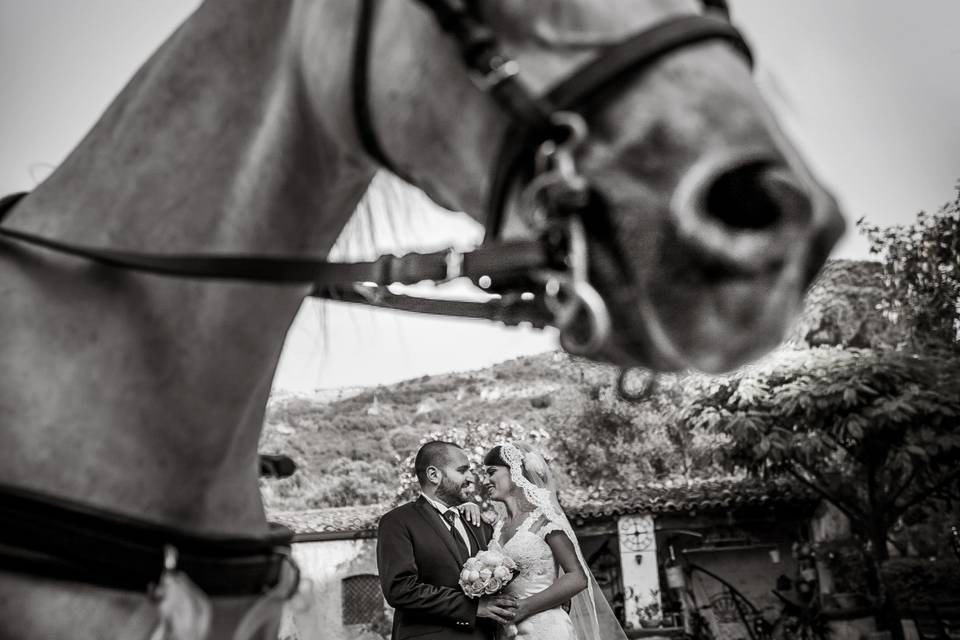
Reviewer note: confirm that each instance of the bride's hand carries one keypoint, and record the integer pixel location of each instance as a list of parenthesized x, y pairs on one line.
[(471, 512), (522, 612)]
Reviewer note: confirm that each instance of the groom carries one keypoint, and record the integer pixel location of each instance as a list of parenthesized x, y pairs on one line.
[(421, 548)]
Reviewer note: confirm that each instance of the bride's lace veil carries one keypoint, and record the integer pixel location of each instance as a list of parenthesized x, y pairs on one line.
[(592, 617)]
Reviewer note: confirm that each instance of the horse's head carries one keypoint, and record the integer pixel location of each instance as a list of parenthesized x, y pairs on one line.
[(704, 227)]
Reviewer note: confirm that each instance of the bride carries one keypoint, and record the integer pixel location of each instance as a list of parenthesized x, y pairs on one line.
[(553, 577)]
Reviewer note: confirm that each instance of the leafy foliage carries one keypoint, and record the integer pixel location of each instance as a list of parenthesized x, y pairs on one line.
[(876, 433), (613, 441), (921, 581), (842, 308), (867, 429), (342, 447), (921, 274)]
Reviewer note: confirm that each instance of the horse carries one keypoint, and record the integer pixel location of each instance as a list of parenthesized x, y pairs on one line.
[(132, 402)]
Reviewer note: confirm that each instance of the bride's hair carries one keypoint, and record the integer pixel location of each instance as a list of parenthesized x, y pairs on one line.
[(534, 466)]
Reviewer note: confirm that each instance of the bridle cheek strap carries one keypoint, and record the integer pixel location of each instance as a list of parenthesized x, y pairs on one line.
[(586, 89), (360, 87)]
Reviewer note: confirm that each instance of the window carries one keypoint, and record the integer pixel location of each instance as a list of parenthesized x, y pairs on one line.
[(362, 599)]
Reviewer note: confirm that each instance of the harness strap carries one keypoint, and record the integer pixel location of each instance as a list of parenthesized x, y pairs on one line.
[(509, 312), (490, 68), (501, 262), (65, 540), (360, 88)]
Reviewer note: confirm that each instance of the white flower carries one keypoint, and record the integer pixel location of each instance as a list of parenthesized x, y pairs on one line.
[(493, 585), (474, 575), (485, 573), (465, 575), (501, 573), (473, 590)]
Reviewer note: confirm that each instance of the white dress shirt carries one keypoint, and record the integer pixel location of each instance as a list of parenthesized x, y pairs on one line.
[(457, 522)]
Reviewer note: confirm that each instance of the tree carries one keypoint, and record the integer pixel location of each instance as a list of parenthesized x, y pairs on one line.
[(610, 440), (873, 432), (921, 274), (842, 308)]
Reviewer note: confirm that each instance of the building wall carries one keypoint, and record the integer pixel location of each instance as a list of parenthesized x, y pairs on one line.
[(752, 553), (752, 571), (318, 612), (638, 565)]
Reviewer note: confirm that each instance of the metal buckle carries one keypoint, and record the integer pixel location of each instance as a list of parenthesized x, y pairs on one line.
[(567, 295), (454, 260), (557, 184), (170, 557), (501, 69), (565, 299)]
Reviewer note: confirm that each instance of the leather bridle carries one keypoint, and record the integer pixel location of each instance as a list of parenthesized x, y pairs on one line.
[(541, 281)]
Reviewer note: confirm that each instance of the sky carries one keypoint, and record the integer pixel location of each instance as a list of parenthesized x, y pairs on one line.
[(868, 89)]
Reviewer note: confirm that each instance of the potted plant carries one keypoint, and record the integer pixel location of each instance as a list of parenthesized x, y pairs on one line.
[(649, 613)]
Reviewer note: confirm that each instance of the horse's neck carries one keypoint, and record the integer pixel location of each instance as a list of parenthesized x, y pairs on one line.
[(120, 387), (210, 147)]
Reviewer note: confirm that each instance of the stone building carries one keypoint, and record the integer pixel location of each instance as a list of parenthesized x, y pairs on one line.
[(709, 550)]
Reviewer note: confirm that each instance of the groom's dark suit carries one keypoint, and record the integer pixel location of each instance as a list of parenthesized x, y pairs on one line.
[(420, 565)]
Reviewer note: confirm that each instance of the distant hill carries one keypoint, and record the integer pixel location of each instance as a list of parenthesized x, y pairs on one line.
[(346, 442), (345, 449)]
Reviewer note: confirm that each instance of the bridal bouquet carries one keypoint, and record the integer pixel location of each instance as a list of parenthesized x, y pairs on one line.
[(487, 573)]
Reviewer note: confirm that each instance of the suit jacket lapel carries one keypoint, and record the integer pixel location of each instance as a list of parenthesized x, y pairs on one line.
[(440, 527)]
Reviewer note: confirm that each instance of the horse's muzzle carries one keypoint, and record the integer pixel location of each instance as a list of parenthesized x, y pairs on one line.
[(747, 235)]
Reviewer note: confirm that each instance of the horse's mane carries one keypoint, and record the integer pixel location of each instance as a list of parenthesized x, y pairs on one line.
[(395, 217)]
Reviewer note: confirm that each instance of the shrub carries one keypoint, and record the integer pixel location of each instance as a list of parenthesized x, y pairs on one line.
[(917, 582)]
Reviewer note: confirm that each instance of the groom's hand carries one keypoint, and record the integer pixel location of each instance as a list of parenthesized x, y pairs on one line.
[(498, 608)]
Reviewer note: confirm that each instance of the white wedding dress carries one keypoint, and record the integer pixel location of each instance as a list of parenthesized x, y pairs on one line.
[(537, 570)]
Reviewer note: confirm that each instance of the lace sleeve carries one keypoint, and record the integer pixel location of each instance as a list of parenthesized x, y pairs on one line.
[(547, 527)]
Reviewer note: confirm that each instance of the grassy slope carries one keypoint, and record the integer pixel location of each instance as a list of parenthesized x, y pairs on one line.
[(345, 449)]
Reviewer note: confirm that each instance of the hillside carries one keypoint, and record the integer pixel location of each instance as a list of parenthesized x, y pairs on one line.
[(345, 449), (347, 443)]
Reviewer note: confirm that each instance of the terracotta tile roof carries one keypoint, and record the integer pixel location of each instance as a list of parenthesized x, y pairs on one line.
[(333, 523), (688, 496), (685, 496)]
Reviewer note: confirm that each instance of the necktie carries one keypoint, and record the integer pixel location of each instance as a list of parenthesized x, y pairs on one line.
[(451, 517)]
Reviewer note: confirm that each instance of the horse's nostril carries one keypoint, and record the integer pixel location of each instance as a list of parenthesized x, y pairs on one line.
[(741, 212), (755, 196)]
